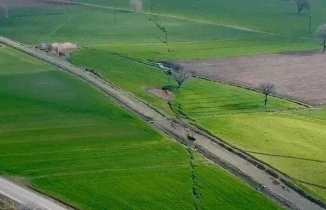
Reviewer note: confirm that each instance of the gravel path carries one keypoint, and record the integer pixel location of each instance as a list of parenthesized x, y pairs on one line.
[(254, 173)]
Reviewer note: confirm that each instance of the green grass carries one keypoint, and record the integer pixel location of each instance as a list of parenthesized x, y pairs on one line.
[(68, 140), (135, 77), (236, 115), (292, 144), (189, 35), (282, 134), (125, 73), (195, 31), (198, 98), (196, 50), (292, 141), (264, 15)]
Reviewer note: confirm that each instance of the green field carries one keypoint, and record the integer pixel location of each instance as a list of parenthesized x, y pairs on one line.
[(283, 134), (68, 140), (292, 144), (236, 115), (222, 30), (263, 15)]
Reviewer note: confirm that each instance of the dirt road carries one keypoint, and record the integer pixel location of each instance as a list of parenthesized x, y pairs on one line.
[(26, 196), (254, 173)]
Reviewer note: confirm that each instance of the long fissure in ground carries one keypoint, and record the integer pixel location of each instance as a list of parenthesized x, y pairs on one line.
[(71, 142)]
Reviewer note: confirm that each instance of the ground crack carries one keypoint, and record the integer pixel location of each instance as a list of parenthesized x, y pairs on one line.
[(194, 187)]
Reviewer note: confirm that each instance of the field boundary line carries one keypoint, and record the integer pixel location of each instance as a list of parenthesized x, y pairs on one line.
[(179, 130)]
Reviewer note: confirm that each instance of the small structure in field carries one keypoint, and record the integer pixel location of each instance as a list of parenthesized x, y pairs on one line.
[(60, 49)]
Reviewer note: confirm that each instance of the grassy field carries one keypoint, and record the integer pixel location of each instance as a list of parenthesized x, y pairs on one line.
[(264, 15), (136, 77), (189, 35), (68, 140), (281, 134), (236, 115), (292, 144), (125, 73)]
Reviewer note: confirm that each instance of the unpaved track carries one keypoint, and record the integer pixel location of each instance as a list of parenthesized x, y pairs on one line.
[(178, 130), (26, 196)]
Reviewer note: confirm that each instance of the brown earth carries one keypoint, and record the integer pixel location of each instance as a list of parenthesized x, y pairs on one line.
[(299, 76), (162, 94), (32, 3)]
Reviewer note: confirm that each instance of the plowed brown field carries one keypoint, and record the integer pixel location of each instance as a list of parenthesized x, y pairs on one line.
[(300, 76)]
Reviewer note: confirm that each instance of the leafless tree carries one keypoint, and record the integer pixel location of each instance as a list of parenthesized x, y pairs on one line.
[(136, 5), (321, 35), (303, 5), (266, 89), (180, 76)]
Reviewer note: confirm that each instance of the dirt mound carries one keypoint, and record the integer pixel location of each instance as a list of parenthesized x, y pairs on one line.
[(162, 94), (33, 3), (62, 48)]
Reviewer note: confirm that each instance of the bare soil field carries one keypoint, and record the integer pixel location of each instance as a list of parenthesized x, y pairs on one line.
[(299, 76), (32, 3)]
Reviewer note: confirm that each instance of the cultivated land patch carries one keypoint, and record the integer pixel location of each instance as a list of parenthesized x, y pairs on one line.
[(219, 108), (234, 114), (282, 134), (135, 35), (32, 3), (69, 141), (300, 76)]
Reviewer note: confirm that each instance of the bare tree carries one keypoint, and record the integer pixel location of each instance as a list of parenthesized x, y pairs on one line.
[(180, 76), (266, 89), (303, 5), (136, 5), (321, 35)]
